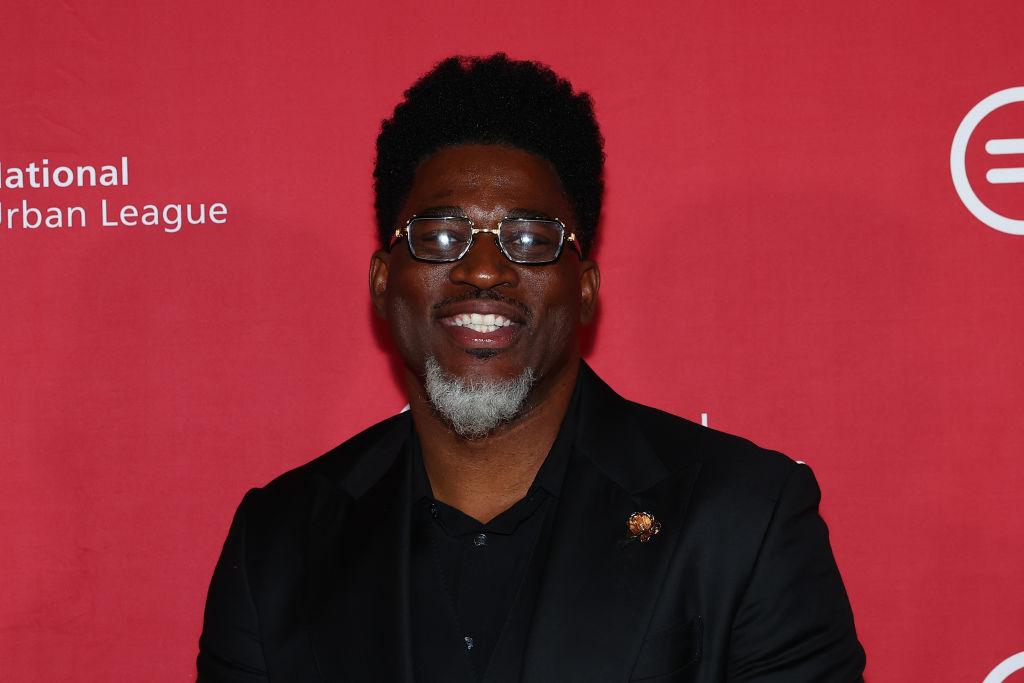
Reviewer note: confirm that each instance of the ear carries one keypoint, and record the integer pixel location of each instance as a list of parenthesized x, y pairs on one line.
[(379, 280), (590, 282)]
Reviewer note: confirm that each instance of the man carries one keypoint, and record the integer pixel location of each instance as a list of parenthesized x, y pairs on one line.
[(521, 521)]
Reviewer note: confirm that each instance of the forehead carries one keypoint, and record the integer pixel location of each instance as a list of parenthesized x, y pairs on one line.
[(487, 179)]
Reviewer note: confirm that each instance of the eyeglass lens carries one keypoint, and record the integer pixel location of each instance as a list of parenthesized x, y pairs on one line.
[(522, 240)]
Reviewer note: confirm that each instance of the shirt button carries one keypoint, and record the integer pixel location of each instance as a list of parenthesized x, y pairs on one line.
[(433, 510), (470, 643), (480, 540)]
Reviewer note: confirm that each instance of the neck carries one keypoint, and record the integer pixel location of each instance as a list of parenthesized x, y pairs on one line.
[(484, 477)]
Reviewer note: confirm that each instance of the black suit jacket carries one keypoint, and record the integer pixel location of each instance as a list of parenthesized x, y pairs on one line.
[(740, 585)]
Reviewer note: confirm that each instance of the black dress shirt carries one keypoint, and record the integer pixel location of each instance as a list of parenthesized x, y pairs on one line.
[(474, 584)]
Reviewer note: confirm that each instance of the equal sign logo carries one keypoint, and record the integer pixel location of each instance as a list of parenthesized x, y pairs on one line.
[(1003, 176), (996, 148)]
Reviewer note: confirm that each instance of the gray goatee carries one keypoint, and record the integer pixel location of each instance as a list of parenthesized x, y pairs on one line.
[(474, 407)]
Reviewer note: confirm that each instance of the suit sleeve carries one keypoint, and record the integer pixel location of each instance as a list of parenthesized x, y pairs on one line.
[(230, 649), (794, 623)]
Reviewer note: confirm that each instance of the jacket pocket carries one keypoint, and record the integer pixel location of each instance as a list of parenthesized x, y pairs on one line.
[(667, 652)]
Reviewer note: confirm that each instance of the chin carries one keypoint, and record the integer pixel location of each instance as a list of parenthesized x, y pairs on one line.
[(482, 354), (474, 406), (485, 364)]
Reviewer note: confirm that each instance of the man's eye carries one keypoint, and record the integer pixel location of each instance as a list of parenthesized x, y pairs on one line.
[(437, 238), (528, 239)]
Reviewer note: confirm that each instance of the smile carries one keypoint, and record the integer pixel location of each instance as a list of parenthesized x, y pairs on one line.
[(478, 322)]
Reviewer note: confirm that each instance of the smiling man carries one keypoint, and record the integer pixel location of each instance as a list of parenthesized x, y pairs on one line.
[(521, 522)]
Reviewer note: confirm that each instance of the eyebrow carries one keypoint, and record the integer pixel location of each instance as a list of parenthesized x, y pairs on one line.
[(455, 211), (528, 213), (441, 212)]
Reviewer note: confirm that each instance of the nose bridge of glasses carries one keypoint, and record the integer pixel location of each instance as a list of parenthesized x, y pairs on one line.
[(495, 244), (484, 264)]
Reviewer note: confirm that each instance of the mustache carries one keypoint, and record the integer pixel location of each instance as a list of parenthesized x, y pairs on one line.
[(486, 294)]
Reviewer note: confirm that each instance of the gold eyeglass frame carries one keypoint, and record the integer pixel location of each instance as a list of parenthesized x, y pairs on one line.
[(496, 231)]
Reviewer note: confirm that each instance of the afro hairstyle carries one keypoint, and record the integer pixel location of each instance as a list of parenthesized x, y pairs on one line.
[(492, 100)]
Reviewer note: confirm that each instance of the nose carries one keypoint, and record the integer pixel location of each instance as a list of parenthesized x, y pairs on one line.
[(484, 266)]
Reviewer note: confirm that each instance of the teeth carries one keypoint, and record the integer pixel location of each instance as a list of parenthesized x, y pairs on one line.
[(480, 322)]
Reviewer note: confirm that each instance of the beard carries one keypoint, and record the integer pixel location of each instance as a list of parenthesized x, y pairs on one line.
[(475, 407)]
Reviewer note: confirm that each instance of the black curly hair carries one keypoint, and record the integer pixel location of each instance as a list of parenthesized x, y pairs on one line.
[(492, 100)]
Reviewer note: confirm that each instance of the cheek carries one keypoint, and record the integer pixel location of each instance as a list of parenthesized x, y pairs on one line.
[(407, 333), (561, 326), (561, 310), (405, 309), (400, 317)]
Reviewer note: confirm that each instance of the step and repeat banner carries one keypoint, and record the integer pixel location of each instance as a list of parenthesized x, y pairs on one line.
[(813, 237)]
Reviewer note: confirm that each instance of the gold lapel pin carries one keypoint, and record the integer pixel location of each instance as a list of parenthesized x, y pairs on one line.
[(642, 525)]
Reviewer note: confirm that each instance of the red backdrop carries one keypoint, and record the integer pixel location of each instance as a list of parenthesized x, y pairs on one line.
[(783, 249)]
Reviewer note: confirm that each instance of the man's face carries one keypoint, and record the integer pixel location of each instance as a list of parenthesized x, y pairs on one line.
[(537, 307)]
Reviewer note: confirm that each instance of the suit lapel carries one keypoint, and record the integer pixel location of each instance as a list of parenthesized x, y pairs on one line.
[(600, 587), (358, 602)]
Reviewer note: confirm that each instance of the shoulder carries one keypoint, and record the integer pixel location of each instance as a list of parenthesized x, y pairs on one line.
[(743, 465), (640, 445), (346, 469), (739, 489)]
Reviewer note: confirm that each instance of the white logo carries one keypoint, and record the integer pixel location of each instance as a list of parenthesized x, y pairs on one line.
[(1008, 666), (995, 176)]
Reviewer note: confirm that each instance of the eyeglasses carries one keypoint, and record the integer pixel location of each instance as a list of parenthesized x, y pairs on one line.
[(445, 239)]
